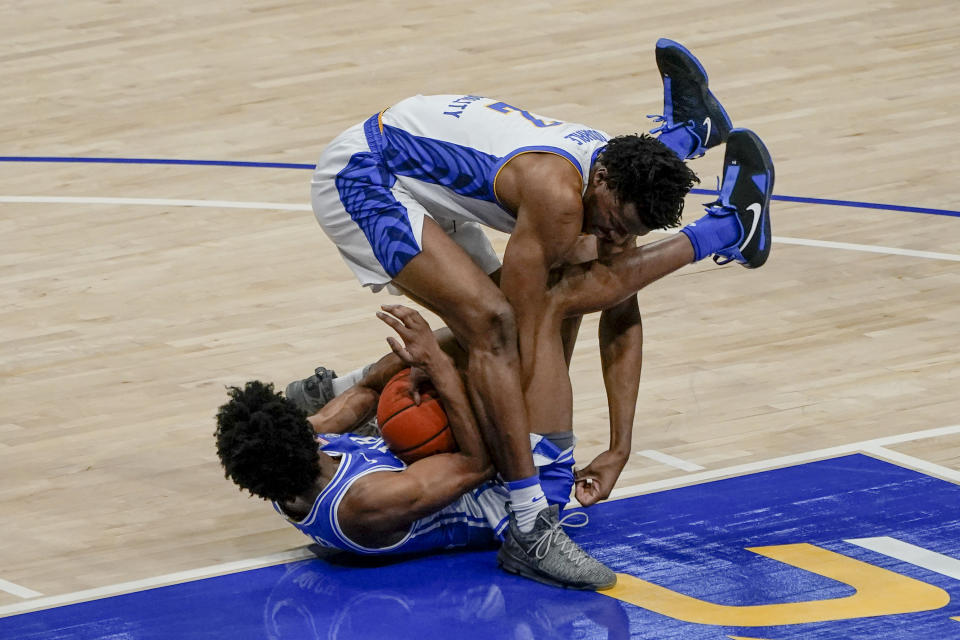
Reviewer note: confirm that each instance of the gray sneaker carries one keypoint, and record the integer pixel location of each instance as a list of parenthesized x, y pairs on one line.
[(547, 555), (313, 393), (369, 429)]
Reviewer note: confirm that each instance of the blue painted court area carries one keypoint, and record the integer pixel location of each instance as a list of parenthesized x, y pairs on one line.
[(692, 541)]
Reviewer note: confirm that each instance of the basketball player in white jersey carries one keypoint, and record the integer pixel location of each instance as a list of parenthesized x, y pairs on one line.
[(351, 493), (401, 196)]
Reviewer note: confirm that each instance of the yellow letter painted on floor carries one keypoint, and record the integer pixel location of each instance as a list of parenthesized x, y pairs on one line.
[(878, 592)]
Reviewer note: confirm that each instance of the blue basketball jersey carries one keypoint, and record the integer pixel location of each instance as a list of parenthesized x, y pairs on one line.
[(460, 524), (475, 519)]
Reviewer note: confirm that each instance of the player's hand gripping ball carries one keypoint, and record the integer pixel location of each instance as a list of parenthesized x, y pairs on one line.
[(413, 432)]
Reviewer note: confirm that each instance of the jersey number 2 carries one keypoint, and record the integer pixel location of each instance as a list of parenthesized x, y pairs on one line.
[(503, 107)]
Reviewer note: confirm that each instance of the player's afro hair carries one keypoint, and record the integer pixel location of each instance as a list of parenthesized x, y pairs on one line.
[(265, 443), (642, 170)]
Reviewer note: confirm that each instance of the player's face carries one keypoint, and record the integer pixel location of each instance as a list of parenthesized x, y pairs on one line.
[(608, 218)]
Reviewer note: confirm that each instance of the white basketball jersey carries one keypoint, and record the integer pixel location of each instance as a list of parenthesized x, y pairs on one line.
[(447, 151)]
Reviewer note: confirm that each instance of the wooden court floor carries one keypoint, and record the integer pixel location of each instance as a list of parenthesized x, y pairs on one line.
[(133, 293)]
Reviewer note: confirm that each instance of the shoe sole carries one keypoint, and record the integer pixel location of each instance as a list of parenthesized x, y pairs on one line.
[(296, 393), (517, 567), (687, 63), (746, 148)]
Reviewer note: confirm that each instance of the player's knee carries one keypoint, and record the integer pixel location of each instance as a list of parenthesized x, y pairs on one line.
[(494, 328)]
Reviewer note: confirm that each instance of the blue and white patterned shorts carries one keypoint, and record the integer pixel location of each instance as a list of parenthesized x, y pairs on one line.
[(374, 221)]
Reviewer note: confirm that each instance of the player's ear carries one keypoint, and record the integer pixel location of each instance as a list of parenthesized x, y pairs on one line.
[(600, 174)]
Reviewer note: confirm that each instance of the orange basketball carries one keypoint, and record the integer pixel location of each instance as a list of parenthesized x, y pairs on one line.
[(413, 432)]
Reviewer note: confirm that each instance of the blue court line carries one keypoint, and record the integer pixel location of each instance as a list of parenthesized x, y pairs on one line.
[(849, 203), (294, 165)]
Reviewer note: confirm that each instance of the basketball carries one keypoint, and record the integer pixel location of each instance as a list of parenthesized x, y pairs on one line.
[(413, 432)]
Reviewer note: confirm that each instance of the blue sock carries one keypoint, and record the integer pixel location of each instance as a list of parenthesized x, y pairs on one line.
[(712, 233), (526, 501), (680, 140)]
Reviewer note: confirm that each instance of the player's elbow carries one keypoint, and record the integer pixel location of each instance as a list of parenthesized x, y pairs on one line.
[(487, 473), (474, 471)]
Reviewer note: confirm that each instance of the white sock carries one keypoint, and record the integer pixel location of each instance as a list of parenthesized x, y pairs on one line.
[(343, 383), (526, 501)]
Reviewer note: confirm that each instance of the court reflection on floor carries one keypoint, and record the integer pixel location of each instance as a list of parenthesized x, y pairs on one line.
[(315, 599)]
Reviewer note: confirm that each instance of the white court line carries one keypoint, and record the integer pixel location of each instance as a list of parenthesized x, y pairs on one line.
[(279, 206), (158, 581), (158, 202), (17, 590), (667, 459), (927, 467), (783, 461), (936, 562), (845, 246)]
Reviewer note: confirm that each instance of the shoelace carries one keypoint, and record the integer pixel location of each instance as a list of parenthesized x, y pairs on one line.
[(666, 127), (657, 118), (721, 208), (718, 204), (568, 547)]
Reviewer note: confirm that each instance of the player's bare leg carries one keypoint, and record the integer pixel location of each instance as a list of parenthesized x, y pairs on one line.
[(603, 283), (736, 228), (446, 280), (549, 397), (569, 332)]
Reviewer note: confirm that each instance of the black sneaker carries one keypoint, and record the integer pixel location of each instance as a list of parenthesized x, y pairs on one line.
[(687, 101), (313, 393), (547, 555), (745, 191)]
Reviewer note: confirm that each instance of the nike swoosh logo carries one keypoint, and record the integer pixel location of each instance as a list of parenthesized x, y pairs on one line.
[(756, 208), (709, 124)]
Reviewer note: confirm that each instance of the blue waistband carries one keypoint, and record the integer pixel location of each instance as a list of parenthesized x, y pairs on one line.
[(371, 128)]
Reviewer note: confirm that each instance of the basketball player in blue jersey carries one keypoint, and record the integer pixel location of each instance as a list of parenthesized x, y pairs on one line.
[(351, 493), (402, 196)]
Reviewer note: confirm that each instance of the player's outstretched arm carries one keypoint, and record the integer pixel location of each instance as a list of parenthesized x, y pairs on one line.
[(346, 412), (621, 357), (545, 191), (608, 284), (388, 503), (421, 349)]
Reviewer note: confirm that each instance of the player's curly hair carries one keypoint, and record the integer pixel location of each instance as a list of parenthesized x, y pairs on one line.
[(643, 170), (265, 443)]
